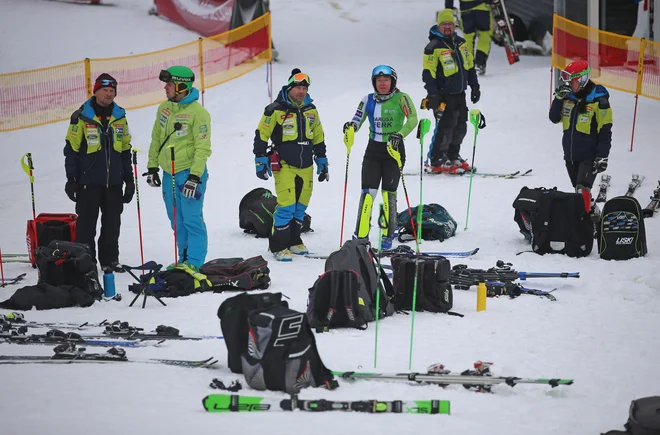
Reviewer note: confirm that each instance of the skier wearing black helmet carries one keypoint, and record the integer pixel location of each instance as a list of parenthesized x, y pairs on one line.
[(391, 118)]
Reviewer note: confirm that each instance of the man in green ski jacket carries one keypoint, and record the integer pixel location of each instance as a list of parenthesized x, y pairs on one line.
[(184, 125)]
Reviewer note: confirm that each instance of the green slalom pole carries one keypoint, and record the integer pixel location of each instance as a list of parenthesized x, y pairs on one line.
[(478, 121), (382, 223), (422, 128)]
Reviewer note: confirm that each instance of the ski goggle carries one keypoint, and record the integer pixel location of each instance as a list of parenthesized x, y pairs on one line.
[(166, 76), (106, 82), (300, 79), (382, 70), (567, 77)]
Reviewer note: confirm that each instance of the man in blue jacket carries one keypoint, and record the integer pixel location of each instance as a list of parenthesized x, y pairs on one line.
[(98, 162), (448, 70)]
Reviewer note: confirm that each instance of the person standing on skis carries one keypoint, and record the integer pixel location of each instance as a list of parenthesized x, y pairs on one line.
[(184, 125), (448, 70), (391, 118), (583, 108), (293, 125)]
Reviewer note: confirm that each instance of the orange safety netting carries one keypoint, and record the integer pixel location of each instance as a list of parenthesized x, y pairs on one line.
[(46, 95), (619, 62)]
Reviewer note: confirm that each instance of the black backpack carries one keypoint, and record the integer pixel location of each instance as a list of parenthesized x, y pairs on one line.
[(357, 256), (334, 302), (554, 222), (237, 274), (434, 292), (281, 353), (69, 263), (172, 283), (255, 213), (643, 418), (622, 233), (233, 314)]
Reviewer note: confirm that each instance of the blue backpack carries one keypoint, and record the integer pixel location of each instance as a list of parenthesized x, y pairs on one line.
[(437, 223)]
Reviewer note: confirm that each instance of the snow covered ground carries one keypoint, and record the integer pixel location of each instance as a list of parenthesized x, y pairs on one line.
[(602, 330)]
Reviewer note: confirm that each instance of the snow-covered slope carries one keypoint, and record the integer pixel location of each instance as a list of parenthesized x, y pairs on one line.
[(602, 330)]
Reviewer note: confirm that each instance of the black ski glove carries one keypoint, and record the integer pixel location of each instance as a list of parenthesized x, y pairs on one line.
[(433, 101), (475, 95), (600, 165), (350, 124), (153, 179), (396, 139), (129, 191), (562, 92), (71, 189)]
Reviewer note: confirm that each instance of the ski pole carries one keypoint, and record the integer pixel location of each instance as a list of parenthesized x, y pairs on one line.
[(2, 271), (137, 201), (422, 128), (382, 223), (176, 254), (349, 136), (29, 168), (478, 121), (397, 156)]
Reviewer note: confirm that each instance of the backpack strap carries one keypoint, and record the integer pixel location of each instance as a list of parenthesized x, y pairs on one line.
[(350, 294)]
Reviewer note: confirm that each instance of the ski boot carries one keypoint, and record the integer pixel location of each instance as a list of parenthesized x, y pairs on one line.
[(300, 249), (283, 255), (386, 242), (481, 368)]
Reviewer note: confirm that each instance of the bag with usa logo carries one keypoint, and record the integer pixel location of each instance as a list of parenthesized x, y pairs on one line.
[(622, 233), (281, 353)]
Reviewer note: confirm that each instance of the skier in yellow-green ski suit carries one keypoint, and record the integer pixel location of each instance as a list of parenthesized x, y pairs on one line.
[(293, 126)]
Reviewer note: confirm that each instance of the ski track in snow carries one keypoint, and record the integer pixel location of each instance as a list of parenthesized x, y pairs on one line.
[(602, 331)]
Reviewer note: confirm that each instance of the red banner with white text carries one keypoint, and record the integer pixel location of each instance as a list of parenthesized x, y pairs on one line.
[(206, 17)]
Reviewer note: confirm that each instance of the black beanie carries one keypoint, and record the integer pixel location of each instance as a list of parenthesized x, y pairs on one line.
[(105, 80)]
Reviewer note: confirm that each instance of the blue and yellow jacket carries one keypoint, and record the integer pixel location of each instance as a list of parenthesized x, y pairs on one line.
[(587, 132), (448, 64), (296, 132), (98, 155)]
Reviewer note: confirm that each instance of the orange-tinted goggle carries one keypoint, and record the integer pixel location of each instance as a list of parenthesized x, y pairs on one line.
[(300, 79)]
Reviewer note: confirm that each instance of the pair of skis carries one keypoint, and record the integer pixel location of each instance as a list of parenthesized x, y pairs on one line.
[(506, 175), (55, 336), (238, 403), (68, 353), (407, 250), (505, 30), (634, 184), (478, 379), (14, 280)]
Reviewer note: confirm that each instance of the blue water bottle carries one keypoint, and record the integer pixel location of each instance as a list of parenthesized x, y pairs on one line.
[(109, 284)]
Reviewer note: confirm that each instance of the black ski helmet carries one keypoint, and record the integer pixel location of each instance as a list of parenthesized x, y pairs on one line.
[(384, 70)]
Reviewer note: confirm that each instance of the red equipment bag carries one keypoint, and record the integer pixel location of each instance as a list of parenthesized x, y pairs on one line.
[(50, 226)]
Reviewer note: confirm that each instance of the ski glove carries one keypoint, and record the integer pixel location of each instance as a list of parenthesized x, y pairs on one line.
[(562, 92), (322, 168), (475, 95), (433, 101), (263, 167), (153, 179), (190, 188), (396, 139), (129, 191), (71, 189), (350, 124), (600, 165)]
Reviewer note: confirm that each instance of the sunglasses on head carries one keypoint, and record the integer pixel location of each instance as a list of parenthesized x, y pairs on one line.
[(106, 82), (300, 78)]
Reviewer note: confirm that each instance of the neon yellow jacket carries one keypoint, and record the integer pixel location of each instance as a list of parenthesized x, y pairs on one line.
[(192, 142)]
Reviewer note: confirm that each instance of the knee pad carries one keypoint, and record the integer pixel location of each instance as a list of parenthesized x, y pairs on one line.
[(364, 213)]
